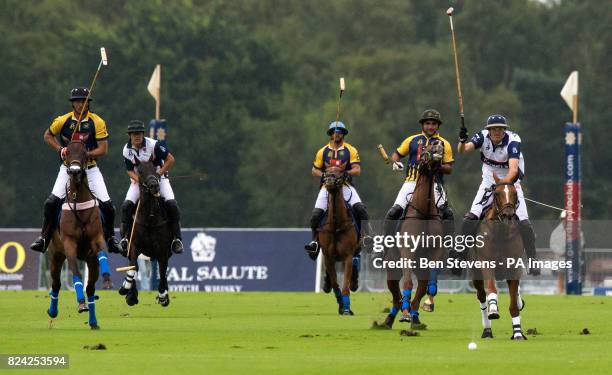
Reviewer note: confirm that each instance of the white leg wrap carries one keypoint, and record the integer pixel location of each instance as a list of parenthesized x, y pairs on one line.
[(129, 279), (486, 323)]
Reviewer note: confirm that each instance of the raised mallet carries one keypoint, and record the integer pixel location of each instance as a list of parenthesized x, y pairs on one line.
[(103, 61), (449, 12), (342, 88)]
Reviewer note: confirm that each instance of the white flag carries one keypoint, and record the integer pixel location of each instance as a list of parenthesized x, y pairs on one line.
[(155, 82), (570, 89)]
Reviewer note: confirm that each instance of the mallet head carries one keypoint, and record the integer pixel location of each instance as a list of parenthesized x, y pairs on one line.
[(450, 11), (103, 55), (342, 86)]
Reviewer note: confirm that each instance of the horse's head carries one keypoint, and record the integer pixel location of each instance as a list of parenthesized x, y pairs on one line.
[(334, 176), (505, 199), (148, 177), (432, 155), (76, 157)]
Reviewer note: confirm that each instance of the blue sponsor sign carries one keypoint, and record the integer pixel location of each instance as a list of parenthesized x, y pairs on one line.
[(158, 129), (234, 260), (572, 205)]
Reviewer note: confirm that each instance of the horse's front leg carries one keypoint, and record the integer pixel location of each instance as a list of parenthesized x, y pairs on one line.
[(128, 288), (493, 309), (102, 255), (94, 272), (57, 260), (517, 332), (70, 249), (482, 298), (330, 269), (407, 286), (421, 290), (162, 297), (346, 281)]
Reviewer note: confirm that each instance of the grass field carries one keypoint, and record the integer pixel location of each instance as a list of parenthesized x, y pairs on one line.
[(289, 333)]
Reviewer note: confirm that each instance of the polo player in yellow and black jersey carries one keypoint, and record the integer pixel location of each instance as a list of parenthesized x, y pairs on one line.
[(57, 136)]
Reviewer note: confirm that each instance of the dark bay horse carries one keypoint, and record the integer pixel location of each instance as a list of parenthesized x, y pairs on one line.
[(502, 243), (151, 235), (80, 235), (338, 237), (422, 218)]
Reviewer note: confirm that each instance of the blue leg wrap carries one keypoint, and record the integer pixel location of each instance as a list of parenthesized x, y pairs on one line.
[(53, 310), (357, 261), (346, 303), (393, 311), (103, 261), (406, 294), (78, 288), (338, 295), (414, 313), (92, 310), (432, 284)]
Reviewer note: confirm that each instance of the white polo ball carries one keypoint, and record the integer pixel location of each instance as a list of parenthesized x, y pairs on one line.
[(472, 346)]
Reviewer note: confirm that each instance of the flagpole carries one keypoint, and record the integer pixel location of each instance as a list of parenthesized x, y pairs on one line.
[(575, 109)]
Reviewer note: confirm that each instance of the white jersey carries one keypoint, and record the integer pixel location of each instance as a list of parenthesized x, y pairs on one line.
[(495, 157), (151, 150)]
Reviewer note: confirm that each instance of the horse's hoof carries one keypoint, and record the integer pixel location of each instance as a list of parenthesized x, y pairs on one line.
[(404, 319), (493, 315), (131, 300), (326, 284), (523, 306), (52, 316), (518, 336), (487, 333), (348, 313), (107, 283), (123, 291), (418, 326), (389, 321), (94, 327), (83, 307), (429, 307), (164, 301)]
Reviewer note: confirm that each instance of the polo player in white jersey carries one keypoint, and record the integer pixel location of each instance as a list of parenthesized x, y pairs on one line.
[(141, 149), (500, 152)]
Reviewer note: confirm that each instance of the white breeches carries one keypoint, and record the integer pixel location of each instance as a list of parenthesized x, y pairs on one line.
[(165, 190), (521, 210), (349, 193), (405, 194), (94, 179)]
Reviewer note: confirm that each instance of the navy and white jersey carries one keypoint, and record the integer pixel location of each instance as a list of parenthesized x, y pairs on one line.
[(150, 148), (495, 157)]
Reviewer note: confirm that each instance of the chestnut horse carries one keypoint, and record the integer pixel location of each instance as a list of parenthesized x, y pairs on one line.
[(80, 235), (422, 218), (338, 237), (502, 243)]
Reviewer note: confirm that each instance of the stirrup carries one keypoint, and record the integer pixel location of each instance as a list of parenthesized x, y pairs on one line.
[(177, 246), (312, 249)]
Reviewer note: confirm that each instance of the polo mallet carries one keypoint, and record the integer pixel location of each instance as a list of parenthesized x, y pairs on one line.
[(450, 18), (129, 268), (383, 153), (103, 61), (342, 87)]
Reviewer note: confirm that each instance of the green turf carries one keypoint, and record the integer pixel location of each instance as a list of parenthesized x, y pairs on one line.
[(265, 333)]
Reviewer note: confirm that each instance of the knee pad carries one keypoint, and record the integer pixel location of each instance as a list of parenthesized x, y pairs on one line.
[(315, 218), (173, 209), (361, 211), (107, 208), (127, 210), (394, 212), (527, 230), (52, 205)]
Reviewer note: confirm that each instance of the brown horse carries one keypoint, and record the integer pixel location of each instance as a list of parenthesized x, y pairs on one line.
[(422, 218), (503, 245), (80, 235), (338, 237)]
